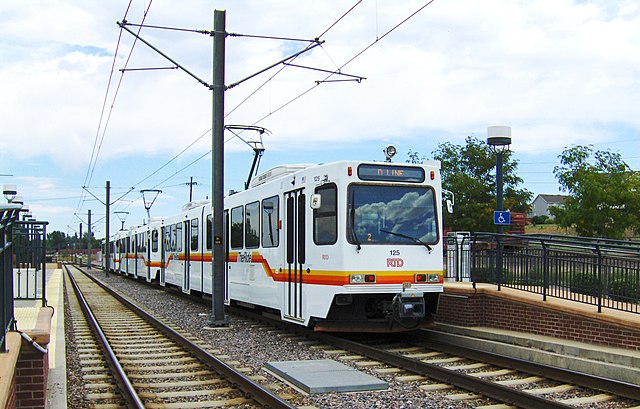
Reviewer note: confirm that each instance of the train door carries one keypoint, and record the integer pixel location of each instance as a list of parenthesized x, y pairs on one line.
[(128, 255), (195, 255), (227, 249), (136, 254), (150, 241), (295, 252), (164, 249), (186, 240)]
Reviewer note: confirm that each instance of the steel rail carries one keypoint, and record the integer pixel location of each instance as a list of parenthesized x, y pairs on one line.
[(126, 388), (489, 389), (257, 392), (618, 388)]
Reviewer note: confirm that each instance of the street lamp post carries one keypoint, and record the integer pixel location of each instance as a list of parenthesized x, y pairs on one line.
[(499, 139)]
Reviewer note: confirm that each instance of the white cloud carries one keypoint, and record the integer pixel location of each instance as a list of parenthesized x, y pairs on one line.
[(560, 72)]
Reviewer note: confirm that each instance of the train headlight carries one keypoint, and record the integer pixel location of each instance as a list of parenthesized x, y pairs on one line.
[(356, 278), (434, 278), (362, 278)]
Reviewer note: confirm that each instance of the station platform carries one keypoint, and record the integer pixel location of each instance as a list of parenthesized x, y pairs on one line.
[(26, 313), (557, 332)]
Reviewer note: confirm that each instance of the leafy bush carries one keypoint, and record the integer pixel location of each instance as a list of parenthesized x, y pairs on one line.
[(483, 275), (584, 283), (624, 290), (542, 219), (533, 277)]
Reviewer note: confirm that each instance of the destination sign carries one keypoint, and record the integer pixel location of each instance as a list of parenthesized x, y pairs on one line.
[(391, 173)]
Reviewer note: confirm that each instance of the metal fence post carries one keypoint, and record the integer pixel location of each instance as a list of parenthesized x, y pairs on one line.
[(599, 278), (499, 262), (545, 271)]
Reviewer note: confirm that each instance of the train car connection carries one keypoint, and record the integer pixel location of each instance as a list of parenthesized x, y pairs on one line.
[(343, 246)]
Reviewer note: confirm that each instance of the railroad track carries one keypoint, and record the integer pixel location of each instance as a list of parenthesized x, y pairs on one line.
[(486, 380), (131, 359)]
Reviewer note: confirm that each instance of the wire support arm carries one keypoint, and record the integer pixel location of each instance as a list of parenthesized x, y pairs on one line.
[(148, 69), (188, 30), (283, 61), (356, 78), (304, 40), (212, 32), (123, 25)]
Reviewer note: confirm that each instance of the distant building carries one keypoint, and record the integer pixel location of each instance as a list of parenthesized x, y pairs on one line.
[(542, 203)]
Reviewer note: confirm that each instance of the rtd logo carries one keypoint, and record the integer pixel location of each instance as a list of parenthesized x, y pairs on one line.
[(395, 262)]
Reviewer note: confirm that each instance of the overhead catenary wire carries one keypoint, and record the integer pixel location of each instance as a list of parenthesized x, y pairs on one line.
[(209, 130), (358, 54), (96, 150), (377, 39)]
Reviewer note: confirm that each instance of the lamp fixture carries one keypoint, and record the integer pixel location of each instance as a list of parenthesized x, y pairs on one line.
[(10, 192), (389, 152)]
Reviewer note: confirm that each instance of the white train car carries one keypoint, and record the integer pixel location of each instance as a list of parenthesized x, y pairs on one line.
[(344, 246)]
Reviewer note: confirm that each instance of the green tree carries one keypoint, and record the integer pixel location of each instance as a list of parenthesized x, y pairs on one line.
[(604, 193), (56, 240), (469, 172)]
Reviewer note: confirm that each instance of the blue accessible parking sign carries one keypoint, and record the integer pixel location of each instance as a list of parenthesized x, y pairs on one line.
[(501, 217)]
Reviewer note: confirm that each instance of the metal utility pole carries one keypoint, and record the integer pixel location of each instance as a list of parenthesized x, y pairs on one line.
[(191, 183), (89, 241), (218, 317), (75, 257), (107, 244)]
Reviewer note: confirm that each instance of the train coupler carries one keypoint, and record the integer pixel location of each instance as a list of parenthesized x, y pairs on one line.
[(410, 303)]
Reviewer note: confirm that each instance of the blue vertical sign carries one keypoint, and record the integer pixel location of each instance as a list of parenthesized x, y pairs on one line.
[(502, 218)]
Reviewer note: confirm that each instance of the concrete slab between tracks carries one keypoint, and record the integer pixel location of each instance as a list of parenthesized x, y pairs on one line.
[(325, 376), (614, 363)]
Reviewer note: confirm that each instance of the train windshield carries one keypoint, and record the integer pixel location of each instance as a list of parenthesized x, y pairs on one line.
[(391, 215)]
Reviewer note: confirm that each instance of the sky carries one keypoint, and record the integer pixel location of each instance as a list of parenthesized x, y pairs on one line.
[(560, 73)]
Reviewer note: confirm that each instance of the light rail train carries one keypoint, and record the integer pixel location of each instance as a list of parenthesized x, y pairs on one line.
[(342, 246)]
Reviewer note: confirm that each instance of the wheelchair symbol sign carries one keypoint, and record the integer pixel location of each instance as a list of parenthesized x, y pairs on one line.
[(501, 217)]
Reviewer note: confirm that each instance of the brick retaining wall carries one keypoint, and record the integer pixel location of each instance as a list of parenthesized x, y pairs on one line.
[(25, 369), (31, 378), (526, 312)]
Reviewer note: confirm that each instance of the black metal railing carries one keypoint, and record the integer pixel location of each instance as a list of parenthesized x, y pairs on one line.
[(30, 269), (601, 272), (8, 215)]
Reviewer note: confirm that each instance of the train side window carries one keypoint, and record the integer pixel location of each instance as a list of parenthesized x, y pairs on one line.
[(172, 240), (154, 241), (252, 224), (194, 234), (270, 212), (209, 232), (179, 237), (237, 227), (143, 242), (325, 219)]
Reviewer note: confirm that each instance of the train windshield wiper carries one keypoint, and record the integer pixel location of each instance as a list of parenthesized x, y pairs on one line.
[(417, 240), (352, 214)]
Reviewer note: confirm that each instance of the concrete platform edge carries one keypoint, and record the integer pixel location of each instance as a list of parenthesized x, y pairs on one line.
[(613, 363)]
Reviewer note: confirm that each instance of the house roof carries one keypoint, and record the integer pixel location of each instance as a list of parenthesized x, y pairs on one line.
[(553, 198)]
